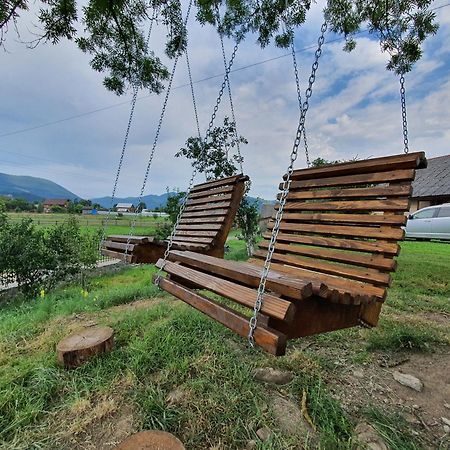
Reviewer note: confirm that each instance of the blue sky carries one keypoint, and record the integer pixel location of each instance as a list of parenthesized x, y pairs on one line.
[(355, 110)]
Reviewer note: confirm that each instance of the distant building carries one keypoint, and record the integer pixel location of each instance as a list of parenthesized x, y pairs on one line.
[(51, 202), (432, 185), (125, 207)]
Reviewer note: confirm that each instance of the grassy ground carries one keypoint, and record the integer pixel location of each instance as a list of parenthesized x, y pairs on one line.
[(176, 370)]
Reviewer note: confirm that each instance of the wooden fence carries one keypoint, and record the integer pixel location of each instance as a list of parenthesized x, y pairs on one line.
[(95, 223)]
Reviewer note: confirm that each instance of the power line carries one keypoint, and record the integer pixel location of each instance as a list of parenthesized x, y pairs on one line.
[(181, 86), (78, 174)]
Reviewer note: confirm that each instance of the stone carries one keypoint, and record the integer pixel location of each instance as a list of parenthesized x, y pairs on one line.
[(446, 429), (251, 445), (416, 407), (368, 438), (408, 380), (264, 434), (270, 375), (447, 405), (289, 417), (446, 421), (358, 373), (410, 418)]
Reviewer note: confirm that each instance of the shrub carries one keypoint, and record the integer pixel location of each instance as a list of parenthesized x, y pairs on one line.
[(39, 258), (247, 219)]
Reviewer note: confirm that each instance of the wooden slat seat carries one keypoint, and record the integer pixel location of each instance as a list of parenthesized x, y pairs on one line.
[(333, 258), (204, 225)]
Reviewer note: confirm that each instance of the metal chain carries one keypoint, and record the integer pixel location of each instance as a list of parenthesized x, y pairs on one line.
[(402, 79), (299, 96), (285, 190), (194, 103), (125, 141), (230, 97), (195, 170), (158, 130), (404, 116)]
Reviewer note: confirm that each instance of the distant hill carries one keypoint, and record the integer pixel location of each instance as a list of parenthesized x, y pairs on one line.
[(37, 189), (31, 188), (151, 201)]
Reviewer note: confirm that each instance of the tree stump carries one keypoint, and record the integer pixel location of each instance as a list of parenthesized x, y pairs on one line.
[(77, 348), (151, 440)]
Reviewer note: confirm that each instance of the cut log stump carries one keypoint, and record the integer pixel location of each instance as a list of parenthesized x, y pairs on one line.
[(77, 348), (151, 440)]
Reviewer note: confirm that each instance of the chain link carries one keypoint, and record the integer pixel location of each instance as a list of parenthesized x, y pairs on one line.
[(253, 322), (125, 141), (402, 78), (194, 103), (158, 131), (404, 116), (299, 96), (233, 115), (194, 172)]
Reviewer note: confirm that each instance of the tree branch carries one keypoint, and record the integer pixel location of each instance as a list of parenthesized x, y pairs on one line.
[(11, 13)]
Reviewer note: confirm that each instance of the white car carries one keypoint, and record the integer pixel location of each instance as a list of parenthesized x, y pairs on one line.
[(432, 222)]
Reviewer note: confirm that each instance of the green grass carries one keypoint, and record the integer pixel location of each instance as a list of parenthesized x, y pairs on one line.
[(162, 345), (397, 335), (394, 430), (423, 279)]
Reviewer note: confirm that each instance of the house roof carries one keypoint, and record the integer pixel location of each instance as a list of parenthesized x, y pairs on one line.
[(56, 202), (434, 180), (124, 205)]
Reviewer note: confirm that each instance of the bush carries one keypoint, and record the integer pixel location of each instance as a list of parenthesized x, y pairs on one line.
[(247, 219), (39, 258)]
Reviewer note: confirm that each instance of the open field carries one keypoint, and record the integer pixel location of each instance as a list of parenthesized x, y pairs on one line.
[(177, 370), (115, 225)]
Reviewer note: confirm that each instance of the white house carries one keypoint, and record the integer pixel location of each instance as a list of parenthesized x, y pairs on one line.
[(125, 207)]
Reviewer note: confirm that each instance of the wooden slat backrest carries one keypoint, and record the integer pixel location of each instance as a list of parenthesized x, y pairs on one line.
[(344, 221), (210, 211)]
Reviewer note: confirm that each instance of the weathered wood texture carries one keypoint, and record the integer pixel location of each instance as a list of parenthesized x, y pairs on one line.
[(76, 349), (204, 225), (333, 258)]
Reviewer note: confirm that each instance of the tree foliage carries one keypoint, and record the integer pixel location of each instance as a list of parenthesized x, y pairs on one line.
[(216, 155), (114, 32), (247, 219), (38, 258)]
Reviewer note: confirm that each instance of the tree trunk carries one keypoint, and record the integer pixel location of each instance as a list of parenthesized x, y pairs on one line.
[(77, 348)]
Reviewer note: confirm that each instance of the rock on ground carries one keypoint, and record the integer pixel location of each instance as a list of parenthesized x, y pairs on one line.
[(270, 375), (264, 434), (408, 380), (289, 417)]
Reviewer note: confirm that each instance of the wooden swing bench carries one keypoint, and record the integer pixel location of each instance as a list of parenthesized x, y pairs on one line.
[(204, 226), (333, 257)]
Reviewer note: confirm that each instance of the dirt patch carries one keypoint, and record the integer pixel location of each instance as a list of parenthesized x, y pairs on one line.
[(439, 318), (107, 427), (373, 384), (136, 305)]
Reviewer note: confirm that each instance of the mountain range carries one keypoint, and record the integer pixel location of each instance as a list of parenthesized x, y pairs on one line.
[(35, 189), (32, 189), (151, 201)]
